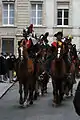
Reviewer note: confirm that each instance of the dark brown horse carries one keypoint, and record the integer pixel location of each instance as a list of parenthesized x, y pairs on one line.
[(25, 76), (71, 75), (41, 74), (58, 72)]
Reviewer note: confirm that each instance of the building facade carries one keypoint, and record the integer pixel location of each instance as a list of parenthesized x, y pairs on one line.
[(46, 15)]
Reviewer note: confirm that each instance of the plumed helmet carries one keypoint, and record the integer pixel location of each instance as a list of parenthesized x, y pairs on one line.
[(31, 25), (70, 37), (58, 33), (47, 34)]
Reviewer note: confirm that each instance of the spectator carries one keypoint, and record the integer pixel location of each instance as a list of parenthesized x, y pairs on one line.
[(3, 69)]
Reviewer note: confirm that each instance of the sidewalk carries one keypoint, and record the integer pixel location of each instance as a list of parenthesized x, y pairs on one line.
[(4, 87)]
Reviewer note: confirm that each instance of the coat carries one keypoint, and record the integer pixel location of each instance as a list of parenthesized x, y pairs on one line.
[(3, 67), (76, 100), (10, 62)]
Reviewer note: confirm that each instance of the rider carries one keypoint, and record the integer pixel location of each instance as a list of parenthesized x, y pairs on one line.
[(61, 44), (28, 40), (74, 56), (48, 55), (58, 42)]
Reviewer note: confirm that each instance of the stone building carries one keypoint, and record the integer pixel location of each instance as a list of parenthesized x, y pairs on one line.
[(46, 15)]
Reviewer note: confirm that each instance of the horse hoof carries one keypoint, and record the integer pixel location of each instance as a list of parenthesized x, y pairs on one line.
[(21, 102), (54, 104), (35, 97), (42, 94), (67, 94), (26, 103), (71, 95), (31, 103), (38, 94), (45, 91)]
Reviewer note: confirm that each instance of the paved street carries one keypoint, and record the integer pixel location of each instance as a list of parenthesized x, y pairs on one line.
[(41, 110)]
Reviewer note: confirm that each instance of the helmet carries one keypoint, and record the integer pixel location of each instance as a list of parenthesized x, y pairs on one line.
[(59, 33), (70, 37)]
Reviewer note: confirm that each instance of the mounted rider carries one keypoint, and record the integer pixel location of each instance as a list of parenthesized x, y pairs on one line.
[(30, 40), (59, 43), (46, 52), (72, 48)]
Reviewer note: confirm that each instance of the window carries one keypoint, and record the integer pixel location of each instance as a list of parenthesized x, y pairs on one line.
[(8, 45), (62, 17), (36, 14), (63, 13), (8, 14)]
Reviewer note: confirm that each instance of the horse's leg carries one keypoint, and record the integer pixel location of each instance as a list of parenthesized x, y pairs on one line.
[(61, 91), (46, 83), (25, 94), (42, 88), (54, 91), (31, 89), (73, 79), (36, 94), (31, 96), (72, 90), (20, 92), (53, 88)]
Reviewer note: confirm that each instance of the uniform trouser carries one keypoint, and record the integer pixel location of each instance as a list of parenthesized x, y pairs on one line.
[(10, 75)]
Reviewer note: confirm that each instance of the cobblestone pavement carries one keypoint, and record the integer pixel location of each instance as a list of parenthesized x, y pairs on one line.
[(42, 109)]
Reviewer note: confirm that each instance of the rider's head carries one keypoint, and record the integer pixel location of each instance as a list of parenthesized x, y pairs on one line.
[(70, 38), (47, 34), (30, 28), (59, 35)]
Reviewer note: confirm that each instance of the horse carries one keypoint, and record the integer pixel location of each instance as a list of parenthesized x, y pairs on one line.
[(58, 73), (41, 74), (25, 75), (71, 75)]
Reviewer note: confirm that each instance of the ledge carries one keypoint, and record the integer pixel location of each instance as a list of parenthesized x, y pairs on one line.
[(8, 26), (19, 35), (35, 26), (63, 27)]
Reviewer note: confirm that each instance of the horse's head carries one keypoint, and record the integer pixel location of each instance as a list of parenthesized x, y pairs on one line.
[(21, 49), (24, 52)]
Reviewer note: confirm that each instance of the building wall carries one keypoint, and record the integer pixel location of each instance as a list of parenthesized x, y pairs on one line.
[(22, 19), (76, 22)]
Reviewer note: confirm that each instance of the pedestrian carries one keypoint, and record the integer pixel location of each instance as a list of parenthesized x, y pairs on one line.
[(11, 66), (3, 69)]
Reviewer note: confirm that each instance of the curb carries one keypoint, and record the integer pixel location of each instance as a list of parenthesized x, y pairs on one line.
[(7, 90)]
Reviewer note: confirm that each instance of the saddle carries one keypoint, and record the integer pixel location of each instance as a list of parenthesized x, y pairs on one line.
[(30, 65)]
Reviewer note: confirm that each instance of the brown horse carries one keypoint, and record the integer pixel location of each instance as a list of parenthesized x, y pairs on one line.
[(41, 75), (58, 72), (71, 76), (25, 76)]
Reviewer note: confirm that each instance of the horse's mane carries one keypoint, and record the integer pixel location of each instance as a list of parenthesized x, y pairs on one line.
[(25, 52)]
